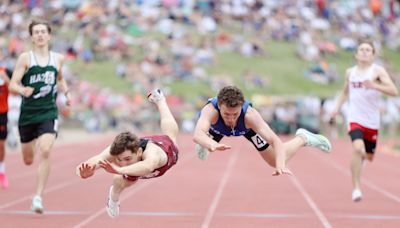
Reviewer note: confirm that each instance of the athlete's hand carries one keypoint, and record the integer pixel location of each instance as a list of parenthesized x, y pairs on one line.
[(67, 99), (280, 171), (219, 146), (109, 167), (85, 170), (27, 91)]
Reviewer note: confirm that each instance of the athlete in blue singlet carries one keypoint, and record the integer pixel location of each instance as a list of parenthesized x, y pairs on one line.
[(229, 114)]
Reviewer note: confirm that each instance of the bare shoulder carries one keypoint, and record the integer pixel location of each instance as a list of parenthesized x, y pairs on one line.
[(24, 56), (379, 69), (348, 71), (59, 57), (154, 152), (252, 116), (209, 111)]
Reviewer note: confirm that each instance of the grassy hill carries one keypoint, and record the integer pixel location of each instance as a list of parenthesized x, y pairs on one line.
[(283, 69)]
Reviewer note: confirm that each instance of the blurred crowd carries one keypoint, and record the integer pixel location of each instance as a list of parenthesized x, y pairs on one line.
[(186, 36)]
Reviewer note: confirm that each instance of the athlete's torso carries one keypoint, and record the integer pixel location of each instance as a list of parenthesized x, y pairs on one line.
[(170, 149), (363, 103), (220, 128), (41, 105)]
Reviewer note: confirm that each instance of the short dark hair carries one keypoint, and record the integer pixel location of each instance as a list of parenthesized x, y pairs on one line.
[(124, 141), (230, 96), (39, 22)]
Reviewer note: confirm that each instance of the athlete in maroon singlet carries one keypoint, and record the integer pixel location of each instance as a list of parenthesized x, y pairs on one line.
[(131, 158)]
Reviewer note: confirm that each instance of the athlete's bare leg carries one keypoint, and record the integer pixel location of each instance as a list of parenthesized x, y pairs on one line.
[(291, 147), (168, 122), (28, 152), (356, 162), (119, 184), (45, 144)]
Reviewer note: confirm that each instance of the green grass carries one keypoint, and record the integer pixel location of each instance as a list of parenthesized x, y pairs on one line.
[(283, 69), (103, 75)]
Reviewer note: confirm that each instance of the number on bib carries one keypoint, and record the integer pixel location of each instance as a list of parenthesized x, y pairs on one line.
[(258, 141)]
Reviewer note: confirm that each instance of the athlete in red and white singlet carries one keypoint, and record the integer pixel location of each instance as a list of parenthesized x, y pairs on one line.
[(363, 87), (364, 102)]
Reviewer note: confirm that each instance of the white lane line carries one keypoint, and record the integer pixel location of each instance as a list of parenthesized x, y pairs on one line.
[(366, 217), (229, 214), (265, 215), (363, 180), (311, 203), (160, 214), (217, 197), (47, 213), (29, 197)]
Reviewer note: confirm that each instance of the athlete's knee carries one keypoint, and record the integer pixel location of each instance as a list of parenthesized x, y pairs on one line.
[(359, 151), (27, 155), (45, 154), (28, 160), (120, 183)]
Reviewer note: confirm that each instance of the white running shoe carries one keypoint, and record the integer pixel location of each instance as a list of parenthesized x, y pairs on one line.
[(155, 96), (202, 153), (37, 206), (112, 207), (356, 195), (315, 140)]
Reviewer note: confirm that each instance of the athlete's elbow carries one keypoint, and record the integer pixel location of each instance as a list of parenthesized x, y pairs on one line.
[(395, 92), (196, 137)]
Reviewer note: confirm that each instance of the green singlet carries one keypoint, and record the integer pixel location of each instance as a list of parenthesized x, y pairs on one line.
[(41, 105)]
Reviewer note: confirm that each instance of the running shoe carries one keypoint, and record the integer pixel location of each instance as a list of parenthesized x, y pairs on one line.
[(112, 207), (3, 180), (314, 140), (356, 195), (37, 206), (202, 153), (155, 96)]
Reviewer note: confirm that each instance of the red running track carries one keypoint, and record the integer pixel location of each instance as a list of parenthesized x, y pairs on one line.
[(231, 189)]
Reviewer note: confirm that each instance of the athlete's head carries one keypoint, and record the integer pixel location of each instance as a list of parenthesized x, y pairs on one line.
[(40, 32), (365, 52), (230, 101), (125, 148)]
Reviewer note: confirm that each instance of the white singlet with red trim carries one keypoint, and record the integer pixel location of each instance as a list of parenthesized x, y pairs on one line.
[(364, 103)]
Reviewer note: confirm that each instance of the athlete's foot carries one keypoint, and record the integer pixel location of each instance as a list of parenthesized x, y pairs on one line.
[(37, 206), (314, 140), (356, 195), (155, 96), (3, 180), (112, 206), (202, 153)]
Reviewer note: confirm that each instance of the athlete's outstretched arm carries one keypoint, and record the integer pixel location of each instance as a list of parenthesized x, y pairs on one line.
[(87, 168), (200, 135), (15, 84), (254, 121)]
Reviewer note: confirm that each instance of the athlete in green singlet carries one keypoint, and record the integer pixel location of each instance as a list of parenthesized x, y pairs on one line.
[(37, 77)]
